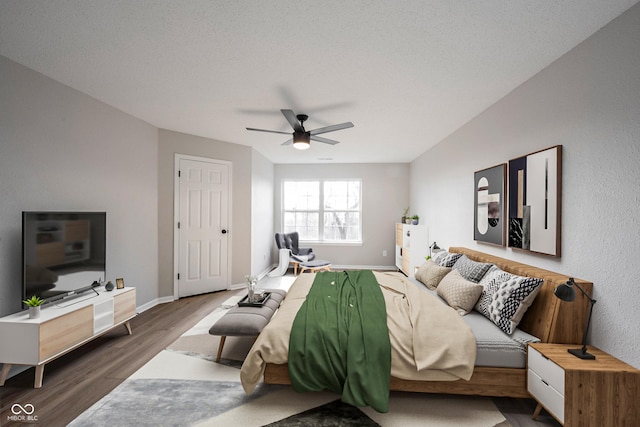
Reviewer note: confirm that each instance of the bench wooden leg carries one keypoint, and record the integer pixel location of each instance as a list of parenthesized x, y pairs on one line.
[(222, 338)]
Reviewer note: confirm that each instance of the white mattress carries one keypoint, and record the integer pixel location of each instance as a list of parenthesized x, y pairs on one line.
[(495, 348)]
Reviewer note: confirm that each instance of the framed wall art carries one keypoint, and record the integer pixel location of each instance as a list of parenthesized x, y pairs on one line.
[(535, 189), (489, 205)]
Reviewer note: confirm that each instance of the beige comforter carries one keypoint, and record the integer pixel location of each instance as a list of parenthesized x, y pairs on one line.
[(429, 340)]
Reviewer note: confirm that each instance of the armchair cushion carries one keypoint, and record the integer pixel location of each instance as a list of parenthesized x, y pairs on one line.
[(290, 241), (300, 258)]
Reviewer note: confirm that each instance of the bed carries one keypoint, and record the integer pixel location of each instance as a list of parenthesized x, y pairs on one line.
[(548, 319)]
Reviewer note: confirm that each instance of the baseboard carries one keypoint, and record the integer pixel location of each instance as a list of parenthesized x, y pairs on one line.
[(364, 267), (263, 273), (267, 270), (153, 303)]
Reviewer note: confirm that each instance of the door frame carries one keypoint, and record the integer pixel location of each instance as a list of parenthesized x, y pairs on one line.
[(176, 216)]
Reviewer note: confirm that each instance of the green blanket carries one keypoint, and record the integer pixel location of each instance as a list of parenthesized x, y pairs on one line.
[(340, 341)]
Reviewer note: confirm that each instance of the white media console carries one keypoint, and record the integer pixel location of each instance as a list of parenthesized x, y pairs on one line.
[(61, 328)]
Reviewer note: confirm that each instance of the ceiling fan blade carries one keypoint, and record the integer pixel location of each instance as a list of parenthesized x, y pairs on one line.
[(292, 119), (325, 140), (331, 128), (269, 131), (288, 142)]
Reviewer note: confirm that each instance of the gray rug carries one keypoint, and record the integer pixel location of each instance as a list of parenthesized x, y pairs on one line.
[(183, 386), (185, 403), (167, 402)]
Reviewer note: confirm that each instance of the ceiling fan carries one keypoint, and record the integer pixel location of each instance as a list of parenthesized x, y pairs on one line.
[(301, 138)]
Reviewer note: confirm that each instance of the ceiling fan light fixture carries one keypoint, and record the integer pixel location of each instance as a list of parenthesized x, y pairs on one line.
[(301, 140), (301, 145)]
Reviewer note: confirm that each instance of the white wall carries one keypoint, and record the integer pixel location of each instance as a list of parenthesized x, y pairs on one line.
[(262, 234), (588, 101), (385, 193), (62, 150)]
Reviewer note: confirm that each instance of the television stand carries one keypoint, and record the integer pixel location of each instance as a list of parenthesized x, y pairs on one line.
[(61, 329)]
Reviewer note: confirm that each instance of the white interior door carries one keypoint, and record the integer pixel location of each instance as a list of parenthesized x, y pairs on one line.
[(202, 229)]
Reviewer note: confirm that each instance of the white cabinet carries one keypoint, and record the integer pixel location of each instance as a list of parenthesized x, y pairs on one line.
[(412, 247), (60, 328)]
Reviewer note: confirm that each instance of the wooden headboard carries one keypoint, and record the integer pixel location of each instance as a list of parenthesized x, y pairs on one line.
[(548, 318)]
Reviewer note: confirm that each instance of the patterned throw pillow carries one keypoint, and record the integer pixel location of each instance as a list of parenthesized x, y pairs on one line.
[(458, 292), (431, 274), (446, 259), (471, 270), (509, 302), (490, 282)]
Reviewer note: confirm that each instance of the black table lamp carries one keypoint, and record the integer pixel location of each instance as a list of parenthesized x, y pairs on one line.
[(434, 247), (567, 292)]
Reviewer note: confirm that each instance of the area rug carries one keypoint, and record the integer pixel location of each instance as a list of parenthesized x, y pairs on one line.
[(183, 386)]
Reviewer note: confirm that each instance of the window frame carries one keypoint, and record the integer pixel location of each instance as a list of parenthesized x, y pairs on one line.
[(321, 210)]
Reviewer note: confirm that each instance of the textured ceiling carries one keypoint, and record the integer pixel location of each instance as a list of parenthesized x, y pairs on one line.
[(406, 73)]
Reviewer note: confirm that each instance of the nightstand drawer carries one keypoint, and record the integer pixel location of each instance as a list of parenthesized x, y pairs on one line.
[(544, 393), (545, 369)]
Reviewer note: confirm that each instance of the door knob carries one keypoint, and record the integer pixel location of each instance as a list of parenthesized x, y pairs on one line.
[(224, 231)]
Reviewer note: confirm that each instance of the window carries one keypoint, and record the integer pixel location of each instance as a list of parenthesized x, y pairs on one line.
[(324, 210)]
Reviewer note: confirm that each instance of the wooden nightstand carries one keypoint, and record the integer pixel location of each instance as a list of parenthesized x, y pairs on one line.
[(576, 392)]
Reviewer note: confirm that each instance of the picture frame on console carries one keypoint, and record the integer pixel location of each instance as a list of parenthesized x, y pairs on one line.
[(120, 283), (489, 205), (535, 196)]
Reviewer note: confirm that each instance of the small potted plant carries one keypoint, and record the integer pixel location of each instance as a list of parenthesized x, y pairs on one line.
[(404, 214), (34, 304), (415, 219)]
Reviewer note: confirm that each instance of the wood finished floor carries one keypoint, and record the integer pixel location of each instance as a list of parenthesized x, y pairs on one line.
[(80, 378)]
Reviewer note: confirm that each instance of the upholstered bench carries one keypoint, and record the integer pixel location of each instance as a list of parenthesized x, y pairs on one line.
[(246, 321)]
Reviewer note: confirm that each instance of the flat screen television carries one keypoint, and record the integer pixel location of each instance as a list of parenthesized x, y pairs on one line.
[(63, 253)]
